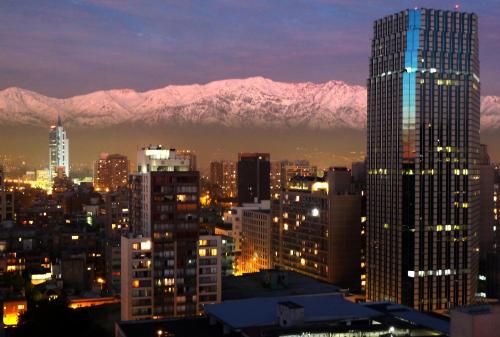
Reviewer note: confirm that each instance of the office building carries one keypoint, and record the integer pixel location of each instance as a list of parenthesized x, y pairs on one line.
[(423, 148), (111, 172), (209, 270), (58, 150), (165, 207), (223, 176), (320, 228), (253, 177), (136, 278), (256, 240)]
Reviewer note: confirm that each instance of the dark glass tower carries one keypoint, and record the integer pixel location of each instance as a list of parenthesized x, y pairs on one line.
[(254, 182), (423, 149)]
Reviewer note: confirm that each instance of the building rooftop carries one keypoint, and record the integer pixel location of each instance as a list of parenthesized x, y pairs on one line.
[(261, 311), (324, 314), (272, 283)]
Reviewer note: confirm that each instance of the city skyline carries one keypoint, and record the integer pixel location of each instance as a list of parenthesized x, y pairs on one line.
[(249, 168)]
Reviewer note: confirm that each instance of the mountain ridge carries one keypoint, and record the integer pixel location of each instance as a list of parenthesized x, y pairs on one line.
[(254, 101)]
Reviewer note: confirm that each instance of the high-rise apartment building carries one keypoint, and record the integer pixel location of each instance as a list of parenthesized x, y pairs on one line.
[(256, 240), (136, 278), (111, 172), (165, 207), (423, 148), (223, 175), (209, 270), (58, 150), (253, 177), (320, 228)]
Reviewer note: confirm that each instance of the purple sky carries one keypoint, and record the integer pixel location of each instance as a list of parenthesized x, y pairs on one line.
[(62, 48)]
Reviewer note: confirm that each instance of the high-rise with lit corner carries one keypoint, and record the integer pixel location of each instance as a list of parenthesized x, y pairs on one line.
[(58, 150), (165, 207), (423, 149)]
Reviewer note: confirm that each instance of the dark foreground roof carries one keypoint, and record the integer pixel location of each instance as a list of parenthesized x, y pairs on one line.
[(179, 327)]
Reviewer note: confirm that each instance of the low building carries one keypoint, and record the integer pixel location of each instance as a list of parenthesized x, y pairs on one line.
[(476, 321), (322, 315)]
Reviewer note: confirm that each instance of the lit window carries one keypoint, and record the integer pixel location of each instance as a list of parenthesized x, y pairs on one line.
[(315, 212), (146, 245), (74, 237)]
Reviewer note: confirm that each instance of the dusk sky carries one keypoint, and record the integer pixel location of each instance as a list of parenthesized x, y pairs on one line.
[(62, 48)]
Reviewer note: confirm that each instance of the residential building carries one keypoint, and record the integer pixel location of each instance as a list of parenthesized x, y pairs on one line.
[(111, 172), (423, 147), (165, 207), (136, 278), (223, 175), (209, 270)]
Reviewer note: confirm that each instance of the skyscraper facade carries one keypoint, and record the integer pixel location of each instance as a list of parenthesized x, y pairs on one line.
[(423, 148), (58, 150)]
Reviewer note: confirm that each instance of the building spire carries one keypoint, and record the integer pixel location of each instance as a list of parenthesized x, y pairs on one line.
[(59, 123)]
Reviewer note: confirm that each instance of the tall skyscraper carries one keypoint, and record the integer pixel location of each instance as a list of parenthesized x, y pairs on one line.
[(165, 207), (253, 177), (58, 150), (423, 148), (111, 172)]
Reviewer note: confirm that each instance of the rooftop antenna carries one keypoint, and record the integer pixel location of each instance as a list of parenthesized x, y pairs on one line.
[(457, 6), (59, 123)]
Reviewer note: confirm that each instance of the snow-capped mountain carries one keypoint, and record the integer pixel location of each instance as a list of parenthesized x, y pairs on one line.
[(255, 101)]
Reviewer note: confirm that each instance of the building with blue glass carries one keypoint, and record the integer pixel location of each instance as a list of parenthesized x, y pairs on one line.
[(423, 151)]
